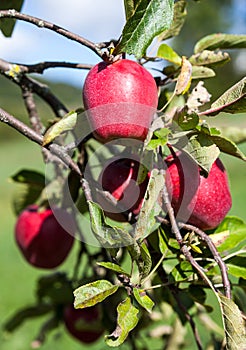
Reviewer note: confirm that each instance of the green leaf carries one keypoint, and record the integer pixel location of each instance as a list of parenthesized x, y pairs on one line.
[(227, 146), (221, 41), (181, 271), (162, 244), (202, 72), (150, 18), (107, 235), (184, 78), (178, 21), (93, 293), (146, 221), (209, 58), (113, 267), (159, 138), (236, 239), (187, 121), (33, 184), (237, 266), (232, 101), (68, 122), (30, 177), (198, 294), (143, 299), (167, 53), (127, 319), (129, 8), (203, 150), (7, 24), (233, 324), (144, 262)]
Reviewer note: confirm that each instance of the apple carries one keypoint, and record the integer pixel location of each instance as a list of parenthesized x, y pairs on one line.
[(119, 177), (42, 240), (198, 200), (121, 100), (83, 324)]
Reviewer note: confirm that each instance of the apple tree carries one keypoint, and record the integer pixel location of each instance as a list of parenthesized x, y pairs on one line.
[(133, 177)]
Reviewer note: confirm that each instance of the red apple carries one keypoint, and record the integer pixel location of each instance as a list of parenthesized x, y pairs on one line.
[(41, 239), (121, 99), (83, 324), (203, 202), (119, 177)]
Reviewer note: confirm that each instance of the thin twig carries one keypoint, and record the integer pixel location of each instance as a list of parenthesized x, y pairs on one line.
[(215, 253), (51, 26), (42, 66), (32, 135)]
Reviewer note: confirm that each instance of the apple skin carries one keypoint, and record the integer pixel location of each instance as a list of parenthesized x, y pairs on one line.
[(83, 324), (202, 202), (119, 177), (42, 240), (121, 99)]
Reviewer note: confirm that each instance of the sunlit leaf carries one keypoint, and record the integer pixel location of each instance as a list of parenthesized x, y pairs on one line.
[(143, 299), (202, 72), (178, 21), (209, 58), (237, 266), (127, 319), (93, 293), (233, 324), (220, 41), (232, 101), (67, 123), (167, 53), (184, 78), (150, 18), (113, 267)]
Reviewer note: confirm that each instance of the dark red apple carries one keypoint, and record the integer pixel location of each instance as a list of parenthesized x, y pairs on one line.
[(121, 99), (41, 239), (83, 324), (119, 177), (203, 202)]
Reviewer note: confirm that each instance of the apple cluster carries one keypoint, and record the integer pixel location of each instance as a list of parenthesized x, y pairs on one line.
[(121, 100)]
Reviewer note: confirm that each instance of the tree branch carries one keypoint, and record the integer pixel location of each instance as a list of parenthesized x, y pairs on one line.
[(51, 26), (32, 135), (42, 66)]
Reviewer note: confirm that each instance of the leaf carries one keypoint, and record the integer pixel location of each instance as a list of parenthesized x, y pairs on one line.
[(150, 18), (209, 58), (236, 239), (67, 123), (221, 41), (184, 78), (7, 24), (232, 101), (93, 293), (30, 177), (167, 53), (201, 72), (113, 267), (144, 262), (178, 21), (219, 238), (227, 146), (203, 150), (233, 324), (127, 319), (143, 299), (146, 221), (159, 138), (181, 271), (237, 266), (33, 184), (108, 236), (129, 8)]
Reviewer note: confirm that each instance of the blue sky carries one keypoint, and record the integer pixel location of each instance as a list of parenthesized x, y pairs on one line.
[(95, 20)]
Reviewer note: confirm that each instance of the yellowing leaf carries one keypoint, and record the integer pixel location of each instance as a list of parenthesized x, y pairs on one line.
[(184, 78)]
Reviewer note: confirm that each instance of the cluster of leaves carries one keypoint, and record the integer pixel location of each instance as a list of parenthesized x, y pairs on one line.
[(149, 281)]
